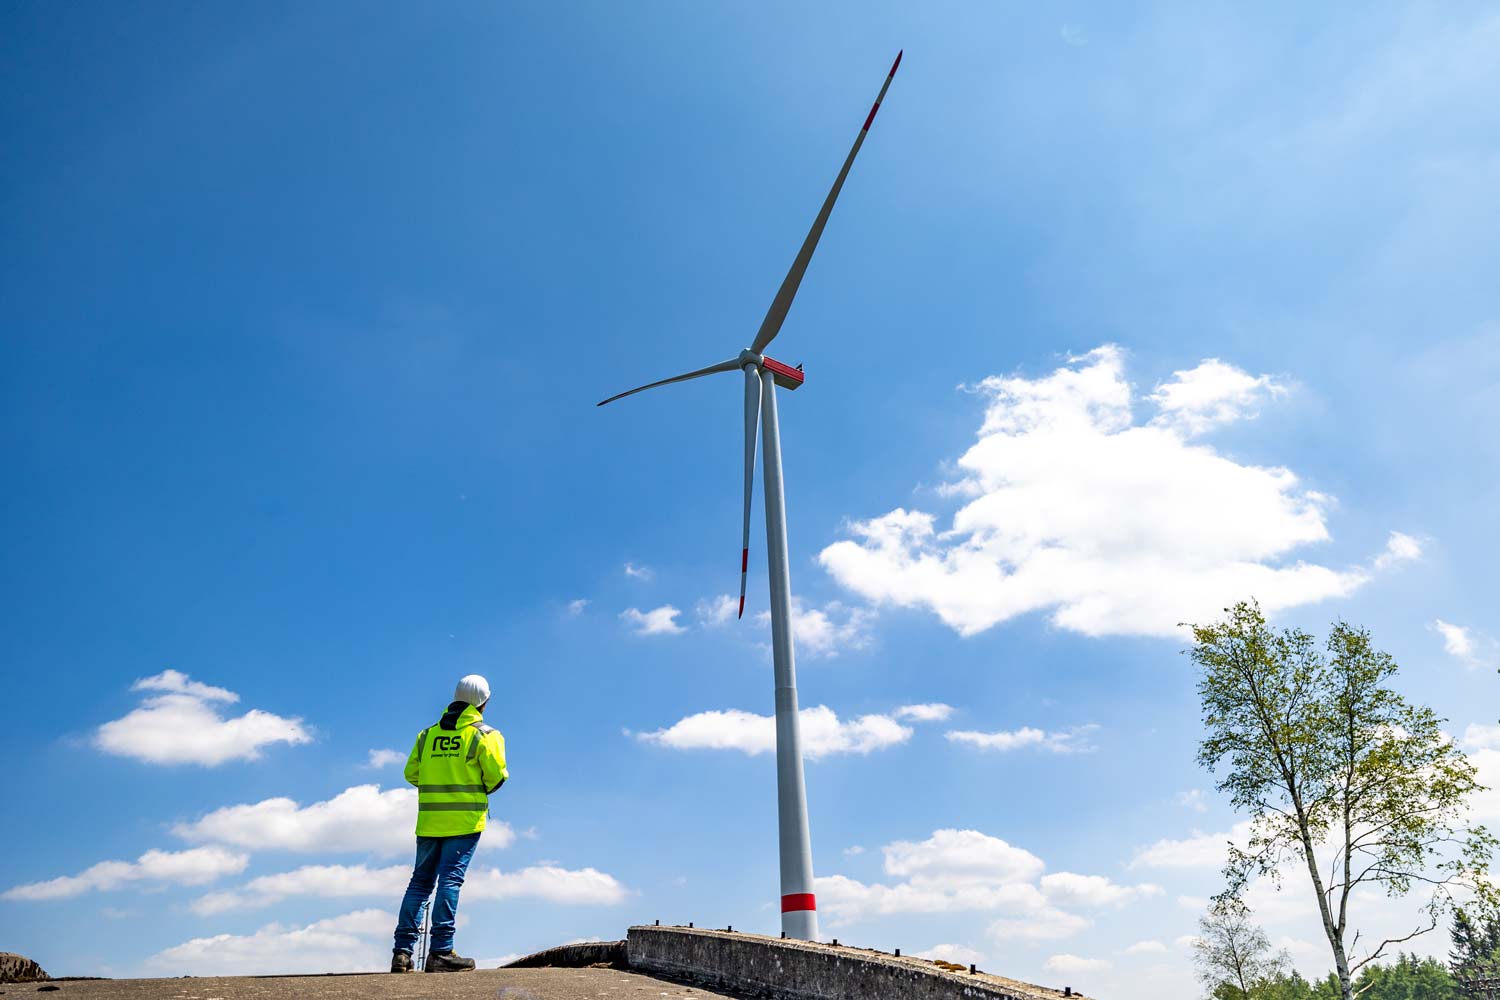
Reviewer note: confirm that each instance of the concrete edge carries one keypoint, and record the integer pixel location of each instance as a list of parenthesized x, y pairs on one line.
[(804, 970), (573, 956)]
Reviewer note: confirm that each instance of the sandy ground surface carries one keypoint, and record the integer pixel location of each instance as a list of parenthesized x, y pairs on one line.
[(490, 984)]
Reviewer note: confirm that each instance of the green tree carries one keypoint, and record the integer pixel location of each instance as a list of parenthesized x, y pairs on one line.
[(1408, 978), (1476, 943), (1233, 955), (1323, 754), (1284, 986)]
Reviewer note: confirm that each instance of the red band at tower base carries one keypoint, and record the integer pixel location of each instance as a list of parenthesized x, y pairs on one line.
[(795, 901)]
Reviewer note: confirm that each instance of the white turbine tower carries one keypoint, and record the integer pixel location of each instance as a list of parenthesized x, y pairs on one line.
[(799, 911)]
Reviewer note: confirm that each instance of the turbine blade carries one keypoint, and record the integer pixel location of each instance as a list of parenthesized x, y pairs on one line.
[(722, 366), (752, 426), (776, 315)]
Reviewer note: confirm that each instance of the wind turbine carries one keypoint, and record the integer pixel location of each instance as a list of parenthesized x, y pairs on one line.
[(799, 911)]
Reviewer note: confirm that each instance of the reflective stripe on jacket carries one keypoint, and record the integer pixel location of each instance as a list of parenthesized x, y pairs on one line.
[(455, 765)]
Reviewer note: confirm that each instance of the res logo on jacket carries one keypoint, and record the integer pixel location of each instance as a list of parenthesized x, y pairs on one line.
[(456, 765)]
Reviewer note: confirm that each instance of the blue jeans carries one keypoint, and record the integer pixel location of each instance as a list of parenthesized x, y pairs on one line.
[(441, 862)]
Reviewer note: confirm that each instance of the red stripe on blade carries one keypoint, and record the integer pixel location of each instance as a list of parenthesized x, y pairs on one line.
[(798, 901), (868, 120), (897, 62), (742, 605)]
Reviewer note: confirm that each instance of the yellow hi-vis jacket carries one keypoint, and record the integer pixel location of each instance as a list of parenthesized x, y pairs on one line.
[(456, 765)]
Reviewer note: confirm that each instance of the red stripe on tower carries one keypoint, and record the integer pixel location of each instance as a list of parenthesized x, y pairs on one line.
[(792, 902)]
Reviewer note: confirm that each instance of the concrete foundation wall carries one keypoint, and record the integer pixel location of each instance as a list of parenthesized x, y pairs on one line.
[(800, 970), (573, 956)]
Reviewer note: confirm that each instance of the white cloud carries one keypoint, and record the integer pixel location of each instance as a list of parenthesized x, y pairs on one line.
[(1045, 925), (183, 726), (1117, 527), (657, 621), (966, 856), (360, 818), (576, 607), (956, 953), (1457, 642), (1073, 740), (950, 871), (826, 631), (1148, 947), (1201, 850), (1481, 737), (1399, 548), (720, 610), (854, 851), (931, 712), (1072, 889), (176, 682), (386, 758), (639, 572), (196, 866), (354, 942), (1193, 799), (1068, 964), (547, 882), (1213, 394), (823, 734)]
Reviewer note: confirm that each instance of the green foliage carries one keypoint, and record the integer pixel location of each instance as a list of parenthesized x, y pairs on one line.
[(1323, 754), (1232, 954), (1407, 978), (1476, 942)]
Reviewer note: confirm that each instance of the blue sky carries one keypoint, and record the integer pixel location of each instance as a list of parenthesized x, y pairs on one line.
[(305, 311)]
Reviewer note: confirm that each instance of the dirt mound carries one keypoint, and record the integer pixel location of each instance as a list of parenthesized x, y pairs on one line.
[(20, 969)]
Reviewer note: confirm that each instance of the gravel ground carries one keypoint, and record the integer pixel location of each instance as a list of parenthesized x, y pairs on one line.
[(489, 984)]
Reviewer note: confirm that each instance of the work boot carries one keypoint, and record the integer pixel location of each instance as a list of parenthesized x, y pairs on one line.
[(401, 961), (448, 961)]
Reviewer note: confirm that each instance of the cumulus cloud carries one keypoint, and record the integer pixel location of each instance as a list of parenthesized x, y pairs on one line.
[(385, 758), (1193, 799), (823, 733), (359, 819), (196, 866), (826, 631), (1073, 740), (576, 607), (1399, 548), (1212, 394), (966, 870), (639, 572), (657, 621), (354, 942), (716, 611), (1112, 525), (546, 882), (956, 953), (1460, 642), (182, 725), (1072, 889), (1201, 850), (176, 682), (1148, 947), (931, 712), (1066, 964), (1481, 737)]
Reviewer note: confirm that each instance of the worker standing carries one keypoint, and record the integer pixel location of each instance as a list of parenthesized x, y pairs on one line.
[(456, 765)]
